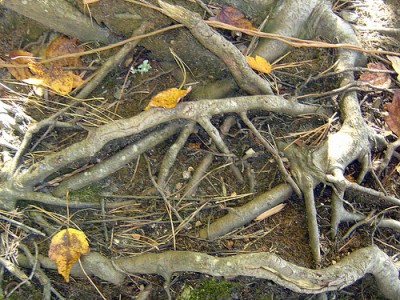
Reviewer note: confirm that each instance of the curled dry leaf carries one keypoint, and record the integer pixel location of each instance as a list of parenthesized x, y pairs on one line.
[(168, 98), (66, 248), (232, 16), (393, 117), (259, 64), (377, 79)]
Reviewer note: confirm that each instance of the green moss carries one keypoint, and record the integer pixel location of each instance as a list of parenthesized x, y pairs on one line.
[(89, 193), (209, 289)]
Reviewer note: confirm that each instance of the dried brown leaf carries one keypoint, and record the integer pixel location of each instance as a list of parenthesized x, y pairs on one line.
[(55, 77), (232, 16), (377, 79), (63, 45), (393, 117)]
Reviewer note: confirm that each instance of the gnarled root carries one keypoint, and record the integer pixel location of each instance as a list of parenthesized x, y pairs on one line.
[(370, 260)]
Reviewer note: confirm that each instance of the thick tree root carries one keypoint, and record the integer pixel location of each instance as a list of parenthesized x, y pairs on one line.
[(242, 215), (24, 180), (245, 77), (370, 260), (326, 164), (73, 22), (353, 141), (289, 18)]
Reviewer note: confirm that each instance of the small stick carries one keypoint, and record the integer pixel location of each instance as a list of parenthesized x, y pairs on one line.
[(273, 152)]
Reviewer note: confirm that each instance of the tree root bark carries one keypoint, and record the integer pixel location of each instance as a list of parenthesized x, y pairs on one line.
[(245, 77), (369, 260), (73, 22), (24, 180), (242, 215), (325, 164)]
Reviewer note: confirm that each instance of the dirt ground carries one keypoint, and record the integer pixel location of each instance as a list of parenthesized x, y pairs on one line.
[(145, 224)]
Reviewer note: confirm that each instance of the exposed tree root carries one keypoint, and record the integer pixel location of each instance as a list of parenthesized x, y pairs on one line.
[(309, 166), (74, 23), (170, 156), (245, 77), (370, 260), (26, 180), (242, 215)]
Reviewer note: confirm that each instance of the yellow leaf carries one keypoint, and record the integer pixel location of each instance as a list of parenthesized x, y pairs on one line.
[(168, 98), (62, 82), (259, 64), (66, 248)]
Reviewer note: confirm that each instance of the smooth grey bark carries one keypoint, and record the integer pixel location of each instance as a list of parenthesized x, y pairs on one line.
[(115, 162), (289, 18), (239, 216), (369, 260), (98, 137)]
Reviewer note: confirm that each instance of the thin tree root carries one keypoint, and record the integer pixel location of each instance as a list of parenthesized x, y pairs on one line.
[(115, 162), (273, 152), (390, 150), (39, 274), (170, 157), (201, 170), (15, 270), (198, 175), (111, 64), (220, 144)]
